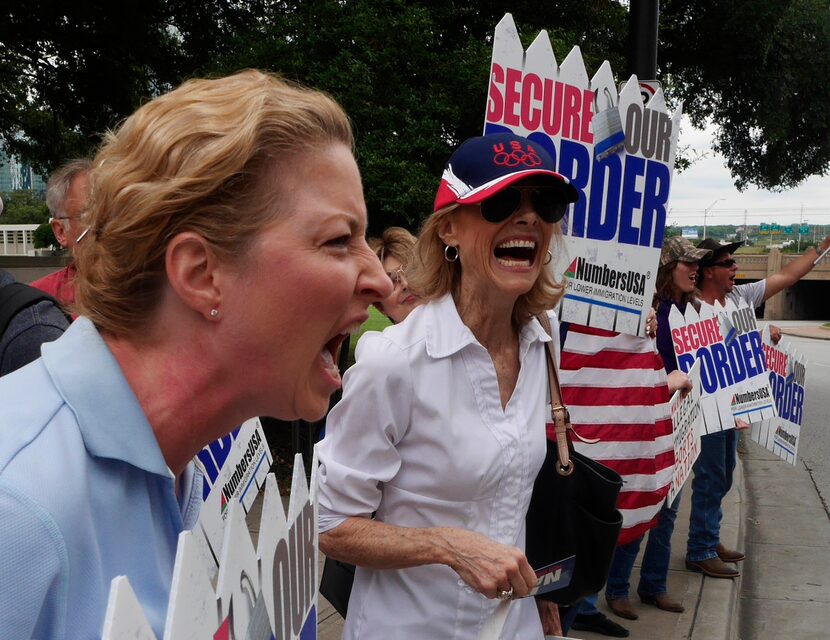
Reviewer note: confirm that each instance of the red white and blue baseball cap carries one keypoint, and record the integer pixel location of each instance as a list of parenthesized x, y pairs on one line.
[(482, 166)]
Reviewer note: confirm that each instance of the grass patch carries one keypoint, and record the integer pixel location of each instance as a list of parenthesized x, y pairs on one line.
[(826, 325), (376, 322)]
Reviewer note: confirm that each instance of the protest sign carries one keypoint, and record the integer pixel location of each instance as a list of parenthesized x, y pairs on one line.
[(618, 154), (261, 592), (234, 470), (733, 374), (554, 576), (787, 370), (687, 422)]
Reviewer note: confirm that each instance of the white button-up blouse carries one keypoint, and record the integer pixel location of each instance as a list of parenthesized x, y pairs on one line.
[(420, 437)]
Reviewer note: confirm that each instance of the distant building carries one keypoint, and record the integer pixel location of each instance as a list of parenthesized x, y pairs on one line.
[(17, 239), (17, 175), (689, 232)]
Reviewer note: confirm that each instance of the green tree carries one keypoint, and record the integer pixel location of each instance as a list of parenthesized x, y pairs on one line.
[(754, 68), (44, 237), (70, 71), (24, 207), (412, 76), (412, 73)]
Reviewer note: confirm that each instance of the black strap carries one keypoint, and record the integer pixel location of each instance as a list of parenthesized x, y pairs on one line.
[(15, 297)]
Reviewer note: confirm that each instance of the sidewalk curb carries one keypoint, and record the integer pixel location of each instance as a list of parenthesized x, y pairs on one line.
[(807, 331), (718, 607)]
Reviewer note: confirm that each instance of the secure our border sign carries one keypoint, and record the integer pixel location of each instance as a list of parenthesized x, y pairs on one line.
[(787, 372), (687, 422), (733, 371), (618, 153), (262, 591)]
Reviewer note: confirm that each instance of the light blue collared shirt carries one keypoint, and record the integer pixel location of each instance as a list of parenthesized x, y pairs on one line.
[(85, 494)]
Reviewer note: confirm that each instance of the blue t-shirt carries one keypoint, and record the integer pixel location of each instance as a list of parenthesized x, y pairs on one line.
[(85, 494)]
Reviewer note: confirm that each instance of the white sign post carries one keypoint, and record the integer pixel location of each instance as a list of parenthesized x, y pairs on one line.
[(787, 370), (733, 374), (621, 169)]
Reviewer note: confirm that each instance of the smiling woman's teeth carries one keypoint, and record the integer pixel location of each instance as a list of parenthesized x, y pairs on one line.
[(513, 263), (516, 253)]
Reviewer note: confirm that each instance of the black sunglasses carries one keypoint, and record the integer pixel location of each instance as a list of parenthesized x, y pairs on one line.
[(726, 264), (549, 203)]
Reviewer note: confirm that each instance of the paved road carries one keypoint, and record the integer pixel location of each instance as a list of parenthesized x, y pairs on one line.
[(814, 448)]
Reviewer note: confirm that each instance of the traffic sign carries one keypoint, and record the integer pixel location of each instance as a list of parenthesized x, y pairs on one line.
[(775, 227), (788, 229), (764, 230), (804, 228)]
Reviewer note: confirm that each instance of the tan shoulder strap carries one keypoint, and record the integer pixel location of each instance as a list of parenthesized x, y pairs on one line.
[(559, 412)]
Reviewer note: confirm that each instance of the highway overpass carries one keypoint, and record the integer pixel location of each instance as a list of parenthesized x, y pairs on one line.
[(809, 299)]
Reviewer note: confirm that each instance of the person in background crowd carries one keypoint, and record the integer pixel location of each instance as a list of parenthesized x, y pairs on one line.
[(718, 451), (225, 263), (441, 429), (38, 322), (675, 286), (394, 250), (66, 196)]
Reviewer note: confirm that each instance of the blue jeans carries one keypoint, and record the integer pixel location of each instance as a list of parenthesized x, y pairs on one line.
[(655, 568), (712, 481)]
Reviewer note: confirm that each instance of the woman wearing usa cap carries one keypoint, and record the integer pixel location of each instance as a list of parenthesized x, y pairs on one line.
[(441, 429)]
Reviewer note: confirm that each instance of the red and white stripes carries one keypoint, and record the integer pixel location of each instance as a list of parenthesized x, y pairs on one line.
[(616, 390)]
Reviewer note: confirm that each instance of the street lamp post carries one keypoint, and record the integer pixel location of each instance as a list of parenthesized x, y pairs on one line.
[(706, 213)]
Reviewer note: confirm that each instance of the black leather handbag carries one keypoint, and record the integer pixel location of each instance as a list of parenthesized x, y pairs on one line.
[(336, 584), (573, 509)]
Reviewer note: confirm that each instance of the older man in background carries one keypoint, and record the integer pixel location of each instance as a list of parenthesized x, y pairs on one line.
[(66, 196)]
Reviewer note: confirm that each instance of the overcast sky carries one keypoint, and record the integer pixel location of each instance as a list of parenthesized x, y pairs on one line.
[(708, 180)]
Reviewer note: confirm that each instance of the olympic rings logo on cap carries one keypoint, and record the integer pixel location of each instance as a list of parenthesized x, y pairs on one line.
[(516, 156)]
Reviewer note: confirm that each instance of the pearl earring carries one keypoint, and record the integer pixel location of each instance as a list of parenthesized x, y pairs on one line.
[(214, 313)]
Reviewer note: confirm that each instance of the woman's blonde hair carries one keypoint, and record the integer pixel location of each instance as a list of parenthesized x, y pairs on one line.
[(395, 242), (208, 158), (431, 276)]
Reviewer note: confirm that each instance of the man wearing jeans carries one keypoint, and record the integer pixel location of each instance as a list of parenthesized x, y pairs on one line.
[(718, 451)]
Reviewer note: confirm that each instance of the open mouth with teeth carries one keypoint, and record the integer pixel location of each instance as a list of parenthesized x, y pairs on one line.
[(516, 253), (331, 350), (330, 353)]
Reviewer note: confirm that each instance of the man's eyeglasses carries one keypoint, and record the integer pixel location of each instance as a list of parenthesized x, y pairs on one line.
[(397, 275), (726, 264), (549, 203)]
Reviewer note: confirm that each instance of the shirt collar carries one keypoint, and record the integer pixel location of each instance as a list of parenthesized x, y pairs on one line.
[(534, 330), (91, 383), (446, 334)]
